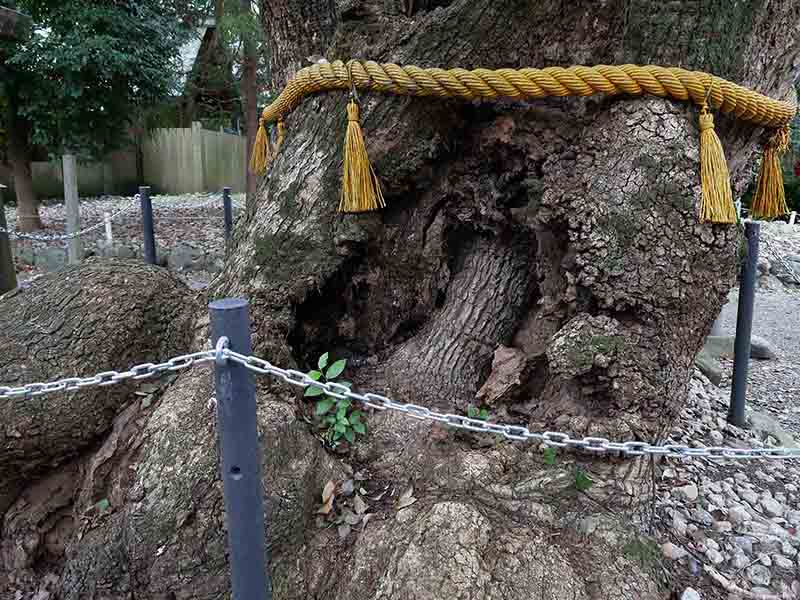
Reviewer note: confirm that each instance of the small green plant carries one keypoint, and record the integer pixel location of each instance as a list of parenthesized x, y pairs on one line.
[(549, 456), (473, 412), (335, 414), (642, 550), (582, 481)]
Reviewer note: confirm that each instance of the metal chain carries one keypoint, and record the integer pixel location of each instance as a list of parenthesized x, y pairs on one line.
[(13, 234), (143, 371), (782, 260), (511, 432), (260, 366)]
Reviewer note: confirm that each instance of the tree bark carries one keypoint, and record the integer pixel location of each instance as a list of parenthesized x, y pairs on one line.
[(19, 157), (542, 259), (249, 90)]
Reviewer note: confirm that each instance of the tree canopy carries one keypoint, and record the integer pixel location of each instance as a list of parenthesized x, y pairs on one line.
[(90, 66)]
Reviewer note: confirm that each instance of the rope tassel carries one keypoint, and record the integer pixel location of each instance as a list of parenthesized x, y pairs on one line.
[(770, 199), (261, 156), (716, 204), (361, 190)]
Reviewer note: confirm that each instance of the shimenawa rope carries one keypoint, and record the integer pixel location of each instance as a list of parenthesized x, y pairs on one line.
[(361, 190)]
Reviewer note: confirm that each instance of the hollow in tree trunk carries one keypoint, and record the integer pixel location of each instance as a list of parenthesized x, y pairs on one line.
[(540, 259)]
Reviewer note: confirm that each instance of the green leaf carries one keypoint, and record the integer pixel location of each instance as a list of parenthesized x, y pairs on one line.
[(356, 415), (340, 427), (549, 456), (337, 435), (336, 369), (341, 413), (315, 375), (472, 412), (103, 505), (347, 384), (350, 436), (312, 391), (323, 406), (359, 427), (323, 362), (582, 481), (484, 414), (329, 420)]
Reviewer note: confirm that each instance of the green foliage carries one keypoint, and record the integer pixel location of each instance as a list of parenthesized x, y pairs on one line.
[(482, 414), (337, 416), (89, 68), (582, 481), (549, 456), (642, 550)]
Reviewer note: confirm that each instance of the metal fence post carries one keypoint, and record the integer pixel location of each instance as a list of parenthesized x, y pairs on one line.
[(226, 202), (8, 274), (744, 326), (241, 458), (147, 225)]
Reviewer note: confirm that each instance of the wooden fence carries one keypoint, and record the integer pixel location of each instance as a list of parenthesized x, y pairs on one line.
[(178, 161), (175, 161)]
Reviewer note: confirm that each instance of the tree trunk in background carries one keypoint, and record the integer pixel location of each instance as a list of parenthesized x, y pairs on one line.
[(19, 157), (542, 259), (249, 90)]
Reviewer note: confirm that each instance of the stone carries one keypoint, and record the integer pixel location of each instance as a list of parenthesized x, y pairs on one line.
[(50, 259), (744, 543), (772, 508), (759, 575), (689, 492), (186, 256), (722, 526), (738, 515), (678, 525), (787, 550), (719, 346), (711, 543), (716, 438), (740, 561), (764, 559), (672, 551), (709, 366), (781, 562), (702, 516), (749, 496), (793, 516), (714, 556), (690, 594)]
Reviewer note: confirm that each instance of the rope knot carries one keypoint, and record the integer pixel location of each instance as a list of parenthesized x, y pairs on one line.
[(706, 121)]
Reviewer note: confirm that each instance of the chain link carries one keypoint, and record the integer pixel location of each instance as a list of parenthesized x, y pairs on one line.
[(38, 237), (511, 432), (381, 403), (143, 371)]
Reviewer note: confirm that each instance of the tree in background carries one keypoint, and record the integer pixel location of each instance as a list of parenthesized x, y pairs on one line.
[(88, 69)]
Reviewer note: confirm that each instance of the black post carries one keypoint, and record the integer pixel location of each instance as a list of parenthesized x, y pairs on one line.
[(147, 225), (744, 325), (226, 201), (8, 274), (241, 464)]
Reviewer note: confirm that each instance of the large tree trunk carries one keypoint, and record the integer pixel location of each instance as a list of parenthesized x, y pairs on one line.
[(249, 87), (19, 156), (541, 258)]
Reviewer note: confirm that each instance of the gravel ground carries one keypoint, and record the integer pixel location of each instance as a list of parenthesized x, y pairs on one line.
[(774, 385), (196, 218)]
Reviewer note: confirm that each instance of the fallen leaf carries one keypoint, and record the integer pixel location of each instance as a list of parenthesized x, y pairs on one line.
[(359, 505), (344, 531), (362, 491), (365, 520), (327, 491), (360, 476), (327, 507), (408, 493), (405, 501)]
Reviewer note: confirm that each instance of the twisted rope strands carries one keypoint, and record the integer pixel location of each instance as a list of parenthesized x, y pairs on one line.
[(633, 80)]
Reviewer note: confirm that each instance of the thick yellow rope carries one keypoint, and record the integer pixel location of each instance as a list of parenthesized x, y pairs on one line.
[(634, 80), (703, 89)]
